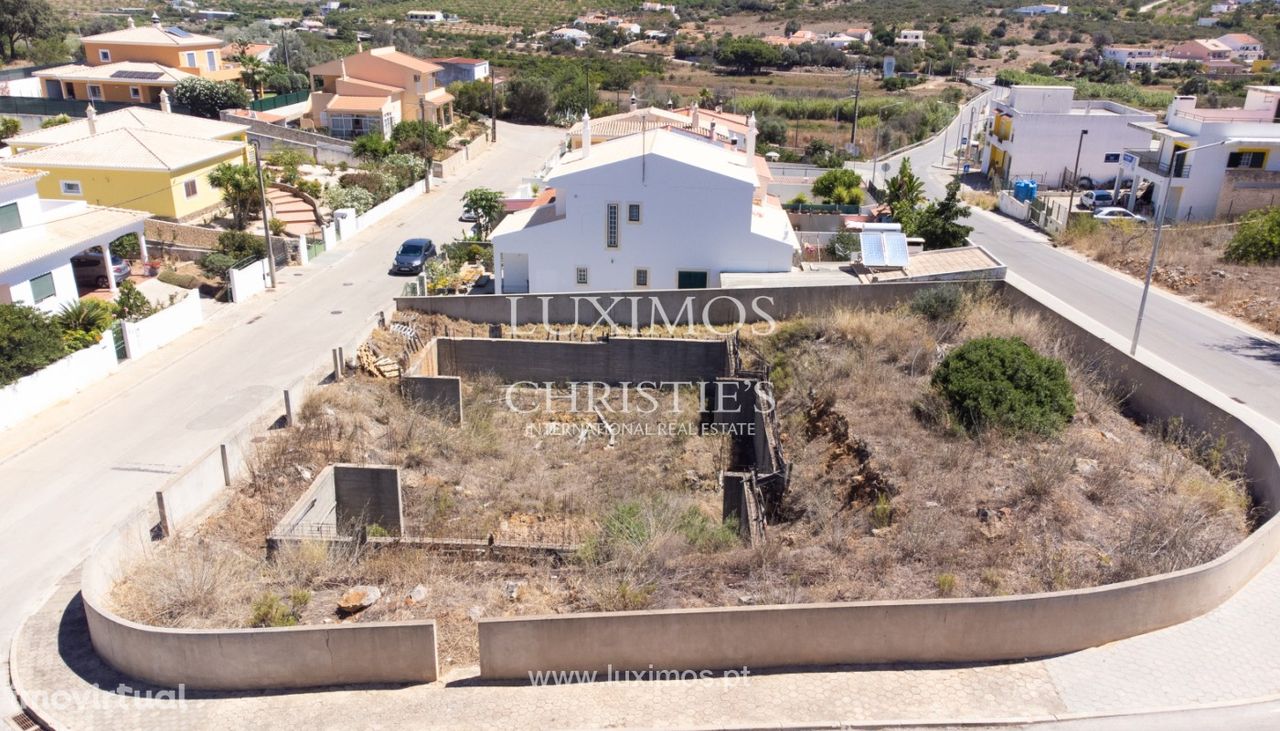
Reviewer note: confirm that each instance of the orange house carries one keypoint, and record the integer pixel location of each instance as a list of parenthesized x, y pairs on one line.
[(373, 90)]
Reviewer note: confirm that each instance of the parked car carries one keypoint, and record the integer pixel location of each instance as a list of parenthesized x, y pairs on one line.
[(468, 217), (1115, 213), (87, 268), (412, 256), (1097, 199)]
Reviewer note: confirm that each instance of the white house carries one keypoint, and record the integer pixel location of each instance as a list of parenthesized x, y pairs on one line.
[(839, 40), (662, 209), (1208, 22), (1237, 167), (38, 238), (1042, 10), (1244, 47), (913, 38), (579, 37), (1133, 58), (425, 16), (1036, 131)]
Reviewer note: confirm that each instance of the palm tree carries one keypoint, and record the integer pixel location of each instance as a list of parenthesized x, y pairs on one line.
[(253, 71), (239, 186)]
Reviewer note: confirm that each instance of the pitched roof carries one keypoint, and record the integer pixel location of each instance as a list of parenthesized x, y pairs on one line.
[(676, 146), (130, 118), (9, 176), (386, 53), (341, 103), (129, 149), (65, 234), (123, 72), (1242, 38), (152, 35)]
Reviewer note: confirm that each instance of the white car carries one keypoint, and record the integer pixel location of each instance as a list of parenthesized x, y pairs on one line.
[(1114, 213), (1097, 199)]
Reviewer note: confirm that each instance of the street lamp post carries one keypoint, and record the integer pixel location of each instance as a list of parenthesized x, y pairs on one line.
[(1155, 244), (266, 223), (1075, 176)]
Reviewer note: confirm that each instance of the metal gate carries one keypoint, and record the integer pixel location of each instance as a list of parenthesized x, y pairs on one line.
[(315, 247), (117, 331)]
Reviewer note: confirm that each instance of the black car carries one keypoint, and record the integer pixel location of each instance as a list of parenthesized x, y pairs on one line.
[(412, 256)]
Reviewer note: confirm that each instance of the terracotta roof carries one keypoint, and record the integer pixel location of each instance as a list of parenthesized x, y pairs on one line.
[(389, 53), (386, 89), (167, 75), (66, 234), (129, 149), (150, 35), (1238, 38), (341, 103), (131, 118)]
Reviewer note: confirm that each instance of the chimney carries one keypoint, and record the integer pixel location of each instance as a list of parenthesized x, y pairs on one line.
[(164, 102), (633, 101), (91, 116), (711, 131), (693, 119), (751, 139), (155, 19), (131, 23), (342, 64), (586, 135)]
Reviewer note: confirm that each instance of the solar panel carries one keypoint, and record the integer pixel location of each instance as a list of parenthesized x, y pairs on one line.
[(147, 75), (872, 248), (895, 249), (884, 249), (176, 31)]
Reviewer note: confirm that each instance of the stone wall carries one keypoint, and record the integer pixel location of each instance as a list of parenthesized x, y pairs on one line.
[(1246, 190), (161, 233)]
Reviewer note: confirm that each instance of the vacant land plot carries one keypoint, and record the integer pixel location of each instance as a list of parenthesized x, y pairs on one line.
[(889, 497)]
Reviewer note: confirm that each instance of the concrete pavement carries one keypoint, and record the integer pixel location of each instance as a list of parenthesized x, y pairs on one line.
[(71, 473)]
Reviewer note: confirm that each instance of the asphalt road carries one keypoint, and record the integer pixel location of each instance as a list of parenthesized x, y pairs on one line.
[(69, 474)]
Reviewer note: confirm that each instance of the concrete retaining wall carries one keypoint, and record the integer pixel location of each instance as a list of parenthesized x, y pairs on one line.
[(442, 392), (716, 306), (612, 361), (390, 205), (57, 381), (947, 630), (163, 327)]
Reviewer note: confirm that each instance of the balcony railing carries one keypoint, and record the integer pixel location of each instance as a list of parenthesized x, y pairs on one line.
[(1149, 160)]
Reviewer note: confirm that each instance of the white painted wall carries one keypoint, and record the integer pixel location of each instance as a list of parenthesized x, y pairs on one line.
[(65, 291), (163, 327), (691, 219), (248, 281), (57, 381)]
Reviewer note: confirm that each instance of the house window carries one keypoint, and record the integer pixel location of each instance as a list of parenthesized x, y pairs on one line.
[(135, 92), (104, 55), (1111, 157), (189, 188), (611, 225), (580, 275), (95, 91), (691, 280), (211, 57), (42, 287), (191, 59), (1247, 159), (642, 277), (633, 213), (10, 218), (71, 187)]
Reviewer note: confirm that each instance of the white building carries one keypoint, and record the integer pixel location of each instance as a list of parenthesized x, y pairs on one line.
[(579, 37), (839, 40), (1133, 58), (425, 16), (38, 238), (914, 38), (1042, 10), (663, 209), (1239, 170), (1244, 47), (1036, 131), (1208, 22)]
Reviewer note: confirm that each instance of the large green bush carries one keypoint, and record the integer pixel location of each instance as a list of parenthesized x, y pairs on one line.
[(1002, 384), (29, 341), (1257, 241)]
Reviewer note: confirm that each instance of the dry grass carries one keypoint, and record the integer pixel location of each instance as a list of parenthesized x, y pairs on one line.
[(980, 199), (1190, 264), (888, 499)]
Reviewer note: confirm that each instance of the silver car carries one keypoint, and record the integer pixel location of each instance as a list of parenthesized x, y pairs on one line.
[(87, 267)]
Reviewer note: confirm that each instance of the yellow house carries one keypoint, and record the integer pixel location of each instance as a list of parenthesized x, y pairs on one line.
[(132, 65), (164, 174), (144, 118), (373, 90)]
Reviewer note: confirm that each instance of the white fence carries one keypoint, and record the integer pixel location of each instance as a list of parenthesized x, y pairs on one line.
[(164, 327), (390, 205), (247, 281), (1012, 207), (57, 381)]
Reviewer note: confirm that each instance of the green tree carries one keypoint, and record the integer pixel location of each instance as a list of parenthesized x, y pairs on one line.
[(83, 321), (407, 136), (25, 20), (904, 191), (772, 130), (938, 223), (253, 72), (842, 246), (1001, 383), (29, 341), (239, 186), (206, 98), (747, 55), (55, 121), (1257, 241), (528, 99), (372, 146), (9, 127), (242, 245), (487, 207), (131, 304), (471, 97), (834, 180)]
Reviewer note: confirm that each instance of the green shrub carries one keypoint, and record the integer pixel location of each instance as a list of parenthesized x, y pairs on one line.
[(373, 530), (83, 322), (270, 610), (216, 264), (626, 526), (55, 121), (127, 247), (1001, 383), (843, 245), (1257, 241), (131, 304), (882, 512), (938, 304), (186, 281), (29, 341), (9, 127), (241, 245), (705, 534), (277, 226), (336, 196), (946, 584)]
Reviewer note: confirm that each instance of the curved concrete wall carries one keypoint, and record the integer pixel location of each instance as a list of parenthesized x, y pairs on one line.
[(944, 630)]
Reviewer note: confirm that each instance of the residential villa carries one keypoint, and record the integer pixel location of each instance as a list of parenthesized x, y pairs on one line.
[(1036, 131), (1203, 50), (1244, 47), (138, 161), (723, 126), (374, 90), (1134, 58), (135, 64), (661, 209), (38, 237), (1235, 154), (861, 34), (457, 68), (913, 38), (576, 36)]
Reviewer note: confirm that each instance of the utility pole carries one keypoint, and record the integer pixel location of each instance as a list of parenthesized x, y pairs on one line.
[(493, 104), (1075, 176), (285, 45), (857, 93), (266, 223), (426, 148)]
